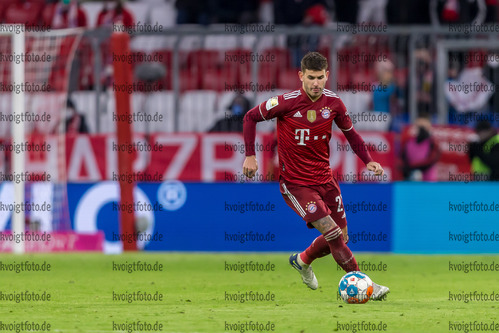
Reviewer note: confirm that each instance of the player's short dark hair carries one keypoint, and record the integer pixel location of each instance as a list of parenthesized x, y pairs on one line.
[(313, 61)]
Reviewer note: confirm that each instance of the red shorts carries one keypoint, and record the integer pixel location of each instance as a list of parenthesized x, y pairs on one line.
[(313, 202)]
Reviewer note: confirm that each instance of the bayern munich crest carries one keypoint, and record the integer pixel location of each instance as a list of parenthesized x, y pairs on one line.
[(325, 112), (311, 207)]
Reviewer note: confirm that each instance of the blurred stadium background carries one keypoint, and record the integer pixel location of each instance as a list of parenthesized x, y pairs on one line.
[(195, 68)]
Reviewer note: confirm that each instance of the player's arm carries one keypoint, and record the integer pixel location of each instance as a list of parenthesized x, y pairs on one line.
[(264, 111), (355, 140)]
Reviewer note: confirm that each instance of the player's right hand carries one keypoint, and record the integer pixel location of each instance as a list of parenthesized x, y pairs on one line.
[(250, 166), (376, 168)]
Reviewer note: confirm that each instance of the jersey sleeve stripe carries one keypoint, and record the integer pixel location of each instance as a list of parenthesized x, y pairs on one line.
[(329, 93), (293, 94), (346, 130), (260, 109)]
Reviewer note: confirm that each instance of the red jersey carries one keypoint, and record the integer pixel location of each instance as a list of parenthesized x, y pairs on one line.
[(303, 133)]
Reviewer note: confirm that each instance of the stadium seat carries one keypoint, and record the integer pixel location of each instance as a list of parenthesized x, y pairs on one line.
[(213, 72), (51, 103), (289, 80), (48, 13), (247, 41), (357, 102), (191, 42), (164, 104), (164, 14), (161, 103), (27, 12), (343, 77), (281, 56), (3, 8), (188, 80), (262, 42), (197, 110), (150, 44), (220, 42), (268, 72), (138, 100)]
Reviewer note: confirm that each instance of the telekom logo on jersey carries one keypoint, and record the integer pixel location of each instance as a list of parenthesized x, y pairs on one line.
[(303, 134)]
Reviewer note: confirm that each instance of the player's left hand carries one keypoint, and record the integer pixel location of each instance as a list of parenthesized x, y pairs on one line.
[(376, 168)]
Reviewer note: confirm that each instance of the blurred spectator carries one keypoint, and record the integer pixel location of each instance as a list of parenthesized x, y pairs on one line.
[(301, 12), (316, 15), (492, 7), (68, 14), (346, 11), (385, 92), (387, 97), (233, 122), (420, 153), (458, 11), (118, 14), (408, 12), (230, 11), (461, 98), (75, 122), (484, 154), (195, 11), (372, 11), (424, 81)]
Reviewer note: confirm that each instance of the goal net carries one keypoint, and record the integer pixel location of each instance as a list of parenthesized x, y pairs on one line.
[(34, 79)]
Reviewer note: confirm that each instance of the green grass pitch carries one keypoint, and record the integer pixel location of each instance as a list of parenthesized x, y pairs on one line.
[(197, 288)]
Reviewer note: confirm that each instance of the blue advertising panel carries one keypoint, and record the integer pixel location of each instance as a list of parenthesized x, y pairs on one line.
[(226, 216), (446, 218)]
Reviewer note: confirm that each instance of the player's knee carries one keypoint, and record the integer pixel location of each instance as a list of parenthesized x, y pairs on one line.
[(324, 224)]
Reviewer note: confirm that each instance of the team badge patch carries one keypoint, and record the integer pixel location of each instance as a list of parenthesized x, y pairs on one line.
[(271, 103), (311, 207), (325, 112), (311, 115)]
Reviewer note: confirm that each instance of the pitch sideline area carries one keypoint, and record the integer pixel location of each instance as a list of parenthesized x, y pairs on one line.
[(239, 292)]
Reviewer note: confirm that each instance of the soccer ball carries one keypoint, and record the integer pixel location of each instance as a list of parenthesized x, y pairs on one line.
[(355, 287)]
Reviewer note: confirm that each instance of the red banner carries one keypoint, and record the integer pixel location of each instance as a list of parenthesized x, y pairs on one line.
[(193, 157)]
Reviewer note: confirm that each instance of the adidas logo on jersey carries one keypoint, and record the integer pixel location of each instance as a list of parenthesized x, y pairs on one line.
[(297, 114)]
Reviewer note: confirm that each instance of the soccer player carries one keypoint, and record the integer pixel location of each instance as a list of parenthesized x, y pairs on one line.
[(304, 122)]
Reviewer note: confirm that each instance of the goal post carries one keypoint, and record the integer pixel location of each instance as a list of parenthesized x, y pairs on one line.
[(120, 45), (18, 134), (31, 87)]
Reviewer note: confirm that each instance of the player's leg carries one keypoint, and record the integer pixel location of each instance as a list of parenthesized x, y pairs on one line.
[(319, 248), (331, 195), (306, 202), (333, 199), (334, 237)]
